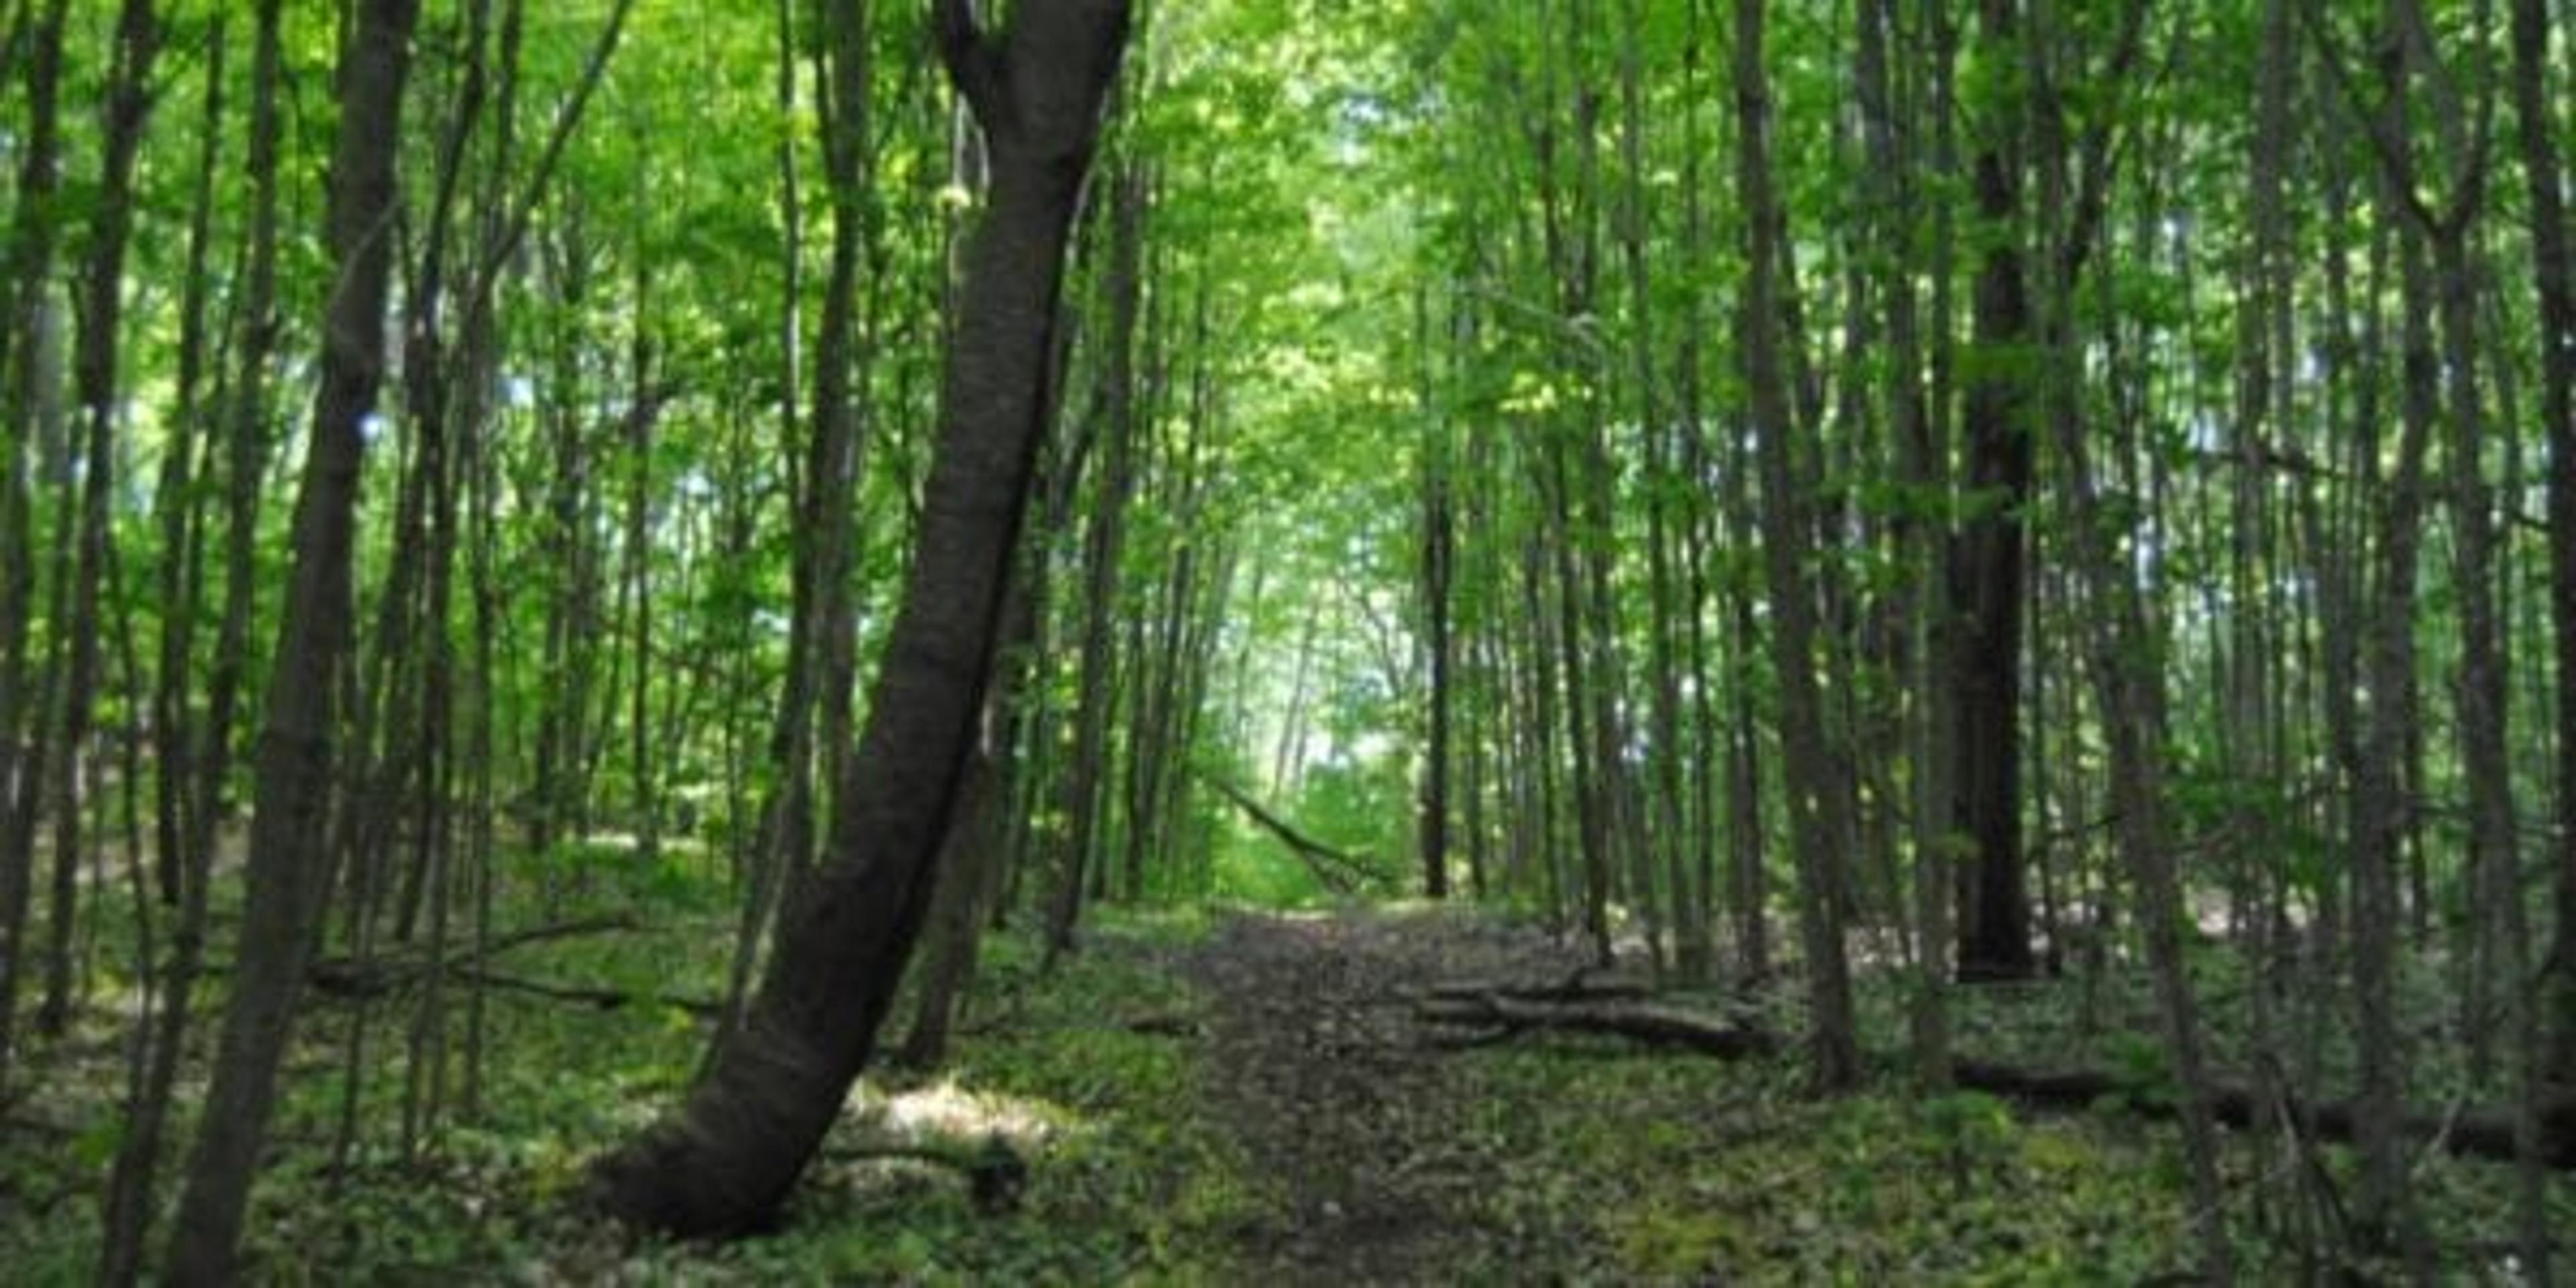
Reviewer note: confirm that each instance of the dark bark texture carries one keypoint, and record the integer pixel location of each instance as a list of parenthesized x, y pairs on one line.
[(726, 1158), (1987, 582), (2554, 278), (294, 767)]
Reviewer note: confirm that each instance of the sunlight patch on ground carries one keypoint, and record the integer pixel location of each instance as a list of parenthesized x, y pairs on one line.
[(945, 1110)]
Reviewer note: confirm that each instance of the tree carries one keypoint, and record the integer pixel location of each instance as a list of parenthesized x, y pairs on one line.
[(1439, 556), (1836, 1045), (1085, 784), (2553, 277), (295, 767), (26, 340), (2124, 645), (726, 1157), (1988, 587)]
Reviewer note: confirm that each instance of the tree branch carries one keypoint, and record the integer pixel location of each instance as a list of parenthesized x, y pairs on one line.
[(973, 63), (497, 257)]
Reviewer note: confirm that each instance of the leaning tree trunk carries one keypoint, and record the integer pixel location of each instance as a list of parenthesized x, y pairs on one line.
[(295, 759), (722, 1162)]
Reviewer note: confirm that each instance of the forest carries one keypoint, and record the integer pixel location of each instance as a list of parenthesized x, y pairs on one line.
[(1300, 641)]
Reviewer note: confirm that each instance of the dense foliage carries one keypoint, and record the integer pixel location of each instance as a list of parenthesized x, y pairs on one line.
[(1871, 513)]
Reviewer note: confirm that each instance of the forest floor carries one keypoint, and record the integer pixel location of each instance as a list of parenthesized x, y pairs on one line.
[(1327, 1083), (1218, 1096)]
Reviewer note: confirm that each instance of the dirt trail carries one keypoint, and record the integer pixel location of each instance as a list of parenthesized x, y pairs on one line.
[(1320, 1070)]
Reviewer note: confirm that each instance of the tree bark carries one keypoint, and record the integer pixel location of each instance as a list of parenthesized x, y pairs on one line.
[(1085, 787), (1835, 1044), (785, 828), (2554, 278), (126, 1218), (2381, 814), (723, 1161), (295, 763), (25, 334), (1987, 585), (1439, 548), (94, 373)]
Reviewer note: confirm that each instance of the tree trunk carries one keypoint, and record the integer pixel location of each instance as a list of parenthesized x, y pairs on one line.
[(295, 768), (25, 333), (1987, 586), (2382, 791), (2554, 278), (722, 1162), (971, 858), (94, 373), (1835, 1045), (968, 860), (1439, 548), (783, 833), (2123, 637), (1085, 784), (1921, 539), (126, 1222)]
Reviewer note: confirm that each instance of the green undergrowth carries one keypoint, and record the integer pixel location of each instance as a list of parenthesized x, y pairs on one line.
[(1676, 1170), (1673, 1170), (1126, 1181), (1573, 1160)]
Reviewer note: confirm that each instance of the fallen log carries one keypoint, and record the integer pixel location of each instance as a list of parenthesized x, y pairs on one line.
[(1637, 1022), (1575, 987), (2479, 1131), (2476, 1131)]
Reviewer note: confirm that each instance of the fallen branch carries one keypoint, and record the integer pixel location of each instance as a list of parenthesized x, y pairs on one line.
[(384, 973), (606, 999), (1341, 871)]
